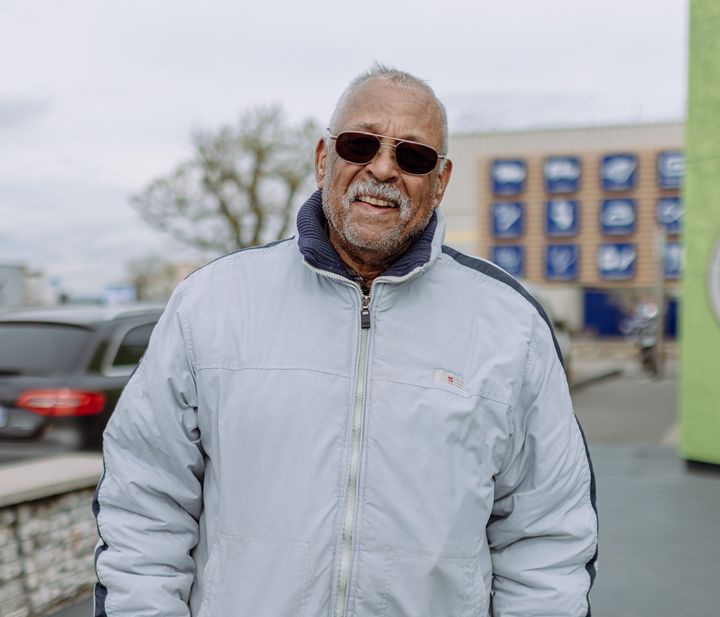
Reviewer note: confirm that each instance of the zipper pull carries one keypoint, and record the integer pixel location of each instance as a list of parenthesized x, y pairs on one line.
[(365, 312)]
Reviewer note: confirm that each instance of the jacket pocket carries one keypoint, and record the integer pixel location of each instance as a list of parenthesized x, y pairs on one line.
[(422, 584), (250, 575)]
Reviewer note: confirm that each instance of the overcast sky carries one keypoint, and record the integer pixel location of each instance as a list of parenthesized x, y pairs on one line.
[(99, 97)]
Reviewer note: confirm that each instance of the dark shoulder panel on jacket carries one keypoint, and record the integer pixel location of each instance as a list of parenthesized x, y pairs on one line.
[(490, 269)]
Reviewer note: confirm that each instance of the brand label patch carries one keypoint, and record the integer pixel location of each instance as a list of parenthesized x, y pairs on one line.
[(448, 379)]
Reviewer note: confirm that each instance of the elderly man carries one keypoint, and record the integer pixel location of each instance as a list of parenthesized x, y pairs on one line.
[(357, 422)]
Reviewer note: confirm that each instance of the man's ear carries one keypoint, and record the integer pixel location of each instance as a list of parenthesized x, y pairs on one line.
[(320, 161), (443, 180)]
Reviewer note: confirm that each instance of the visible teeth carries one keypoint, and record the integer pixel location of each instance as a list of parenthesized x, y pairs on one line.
[(376, 202)]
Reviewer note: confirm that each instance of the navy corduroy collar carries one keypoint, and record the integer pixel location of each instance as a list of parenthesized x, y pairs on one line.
[(315, 245)]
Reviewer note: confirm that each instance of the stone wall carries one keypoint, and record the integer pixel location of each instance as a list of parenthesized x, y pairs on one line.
[(47, 549)]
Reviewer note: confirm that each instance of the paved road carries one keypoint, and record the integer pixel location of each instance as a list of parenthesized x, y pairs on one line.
[(659, 529), (82, 609), (659, 535), (659, 524)]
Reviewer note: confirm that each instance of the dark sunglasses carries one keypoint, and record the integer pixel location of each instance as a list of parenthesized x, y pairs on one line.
[(360, 148)]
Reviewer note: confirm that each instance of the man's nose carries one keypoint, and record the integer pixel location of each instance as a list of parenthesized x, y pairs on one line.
[(384, 166)]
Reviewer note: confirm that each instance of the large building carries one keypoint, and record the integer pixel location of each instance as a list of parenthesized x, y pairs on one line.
[(591, 216)]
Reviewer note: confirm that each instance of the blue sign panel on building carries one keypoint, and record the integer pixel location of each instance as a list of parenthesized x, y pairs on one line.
[(509, 258), (617, 217), (618, 172), (561, 217), (616, 261), (561, 262), (508, 176), (562, 174), (669, 213), (507, 219), (671, 169), (673, 260)]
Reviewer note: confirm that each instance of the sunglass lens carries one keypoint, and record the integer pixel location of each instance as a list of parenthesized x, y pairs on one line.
[(356, 147), (415, 158)]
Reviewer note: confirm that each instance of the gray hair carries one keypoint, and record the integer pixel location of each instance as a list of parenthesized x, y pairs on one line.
[(394, 77)]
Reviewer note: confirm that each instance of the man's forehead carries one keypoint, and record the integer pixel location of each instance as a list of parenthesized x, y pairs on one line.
[(375, 92), (377, 127), (375, 104)]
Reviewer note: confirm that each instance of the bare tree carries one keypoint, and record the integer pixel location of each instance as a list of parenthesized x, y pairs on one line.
[(241, 186), (153, 277)]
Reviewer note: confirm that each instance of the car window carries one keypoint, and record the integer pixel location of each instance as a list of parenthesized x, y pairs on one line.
[(133, 345), (40, 348)]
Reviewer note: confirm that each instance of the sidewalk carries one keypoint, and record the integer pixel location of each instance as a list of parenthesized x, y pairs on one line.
[(586, 372), (595, 359)]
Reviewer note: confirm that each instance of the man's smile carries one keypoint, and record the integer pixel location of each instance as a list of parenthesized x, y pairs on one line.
[(375, 201)]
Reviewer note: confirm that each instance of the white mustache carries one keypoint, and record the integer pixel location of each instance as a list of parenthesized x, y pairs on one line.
[(379, 191)]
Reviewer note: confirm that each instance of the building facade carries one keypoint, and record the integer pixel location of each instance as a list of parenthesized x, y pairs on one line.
[(21, 286), (592, 216)]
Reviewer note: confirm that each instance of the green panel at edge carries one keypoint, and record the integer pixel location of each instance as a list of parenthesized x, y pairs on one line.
[(700, 329)]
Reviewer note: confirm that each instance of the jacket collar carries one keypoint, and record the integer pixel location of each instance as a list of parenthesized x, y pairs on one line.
[(315, 246)]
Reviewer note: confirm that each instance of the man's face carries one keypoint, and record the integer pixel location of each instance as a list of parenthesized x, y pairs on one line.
[(376, 210)]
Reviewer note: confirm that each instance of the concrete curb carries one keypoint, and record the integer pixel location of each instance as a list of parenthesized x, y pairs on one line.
[(596, 377), (30, 480)]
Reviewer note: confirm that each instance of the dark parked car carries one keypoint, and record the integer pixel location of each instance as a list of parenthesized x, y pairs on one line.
[(62, 369)]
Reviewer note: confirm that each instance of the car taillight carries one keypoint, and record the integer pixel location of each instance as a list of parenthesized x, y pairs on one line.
[(62, 402)]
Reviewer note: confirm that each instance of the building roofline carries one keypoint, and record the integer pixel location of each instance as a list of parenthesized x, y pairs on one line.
[(570, 129)]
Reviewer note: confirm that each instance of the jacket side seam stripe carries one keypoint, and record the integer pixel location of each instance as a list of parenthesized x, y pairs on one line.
[(590, 565), (100, 591)]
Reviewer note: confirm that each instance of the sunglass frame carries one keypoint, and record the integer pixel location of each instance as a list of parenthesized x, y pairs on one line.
[(394, 146)]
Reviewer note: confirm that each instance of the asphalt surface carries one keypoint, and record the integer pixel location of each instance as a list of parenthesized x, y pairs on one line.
[(82, 609), (659, 535), (659, 522), (631, 408)]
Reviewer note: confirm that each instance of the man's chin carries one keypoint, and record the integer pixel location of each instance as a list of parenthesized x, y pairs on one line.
[(380, 246)]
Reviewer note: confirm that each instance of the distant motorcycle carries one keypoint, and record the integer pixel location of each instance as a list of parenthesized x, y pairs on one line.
[(642, 329)]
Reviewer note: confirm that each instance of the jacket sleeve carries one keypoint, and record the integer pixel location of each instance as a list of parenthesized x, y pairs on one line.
[(543, 529), (149, 500)]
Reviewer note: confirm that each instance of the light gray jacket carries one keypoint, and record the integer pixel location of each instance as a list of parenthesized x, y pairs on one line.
[(287, 448)]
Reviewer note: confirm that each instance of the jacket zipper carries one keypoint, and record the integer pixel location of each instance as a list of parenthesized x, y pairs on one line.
[(358, 420), (352, 485)]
